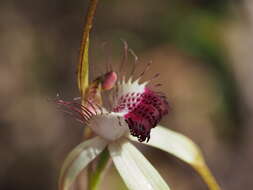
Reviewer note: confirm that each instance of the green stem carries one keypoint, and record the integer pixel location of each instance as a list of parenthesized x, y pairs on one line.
[(96, 176)]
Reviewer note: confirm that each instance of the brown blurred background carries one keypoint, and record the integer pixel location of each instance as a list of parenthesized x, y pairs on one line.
[(202, 48)]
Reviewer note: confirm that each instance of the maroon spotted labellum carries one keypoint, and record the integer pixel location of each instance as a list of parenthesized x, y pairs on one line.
[(145, 111)]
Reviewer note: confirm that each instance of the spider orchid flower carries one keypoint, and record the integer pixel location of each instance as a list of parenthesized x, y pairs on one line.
[(133, 114)]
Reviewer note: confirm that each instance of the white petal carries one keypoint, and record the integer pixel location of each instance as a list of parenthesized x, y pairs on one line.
[(78, 159), (174, 143), (109, 126), (184, 149), (134, 168)]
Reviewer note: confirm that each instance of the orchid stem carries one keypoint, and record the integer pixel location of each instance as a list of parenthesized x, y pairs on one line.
[(96, 176)]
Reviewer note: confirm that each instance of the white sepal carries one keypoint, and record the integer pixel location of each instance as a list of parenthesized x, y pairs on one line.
[(184, 149), (134, 168), (173, 143), (78, 159)]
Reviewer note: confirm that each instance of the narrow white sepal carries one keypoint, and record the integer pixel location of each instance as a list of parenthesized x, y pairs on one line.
[(184, 149), (173, 143), (78, 159), (134, 168)]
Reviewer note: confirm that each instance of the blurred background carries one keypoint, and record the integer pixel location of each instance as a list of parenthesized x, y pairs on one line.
[(201, 48)]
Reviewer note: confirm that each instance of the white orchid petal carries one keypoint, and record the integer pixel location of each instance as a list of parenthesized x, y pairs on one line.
[(174, 143), (184, 149), (78, 159), (134, 168)]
